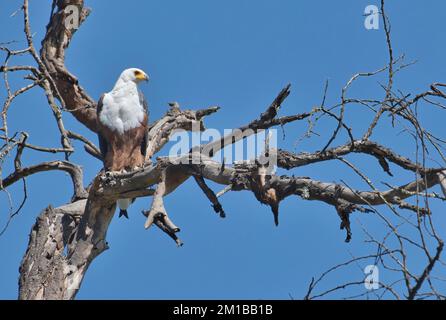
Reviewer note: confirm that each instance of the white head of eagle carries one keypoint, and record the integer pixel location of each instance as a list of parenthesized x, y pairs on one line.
[(122, 119), (123, 107)]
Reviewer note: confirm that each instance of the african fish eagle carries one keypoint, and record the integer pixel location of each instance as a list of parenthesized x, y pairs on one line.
[(122, 116)]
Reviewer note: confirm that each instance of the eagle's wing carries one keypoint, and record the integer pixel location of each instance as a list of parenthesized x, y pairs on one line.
[(103, 146), (144, 142)]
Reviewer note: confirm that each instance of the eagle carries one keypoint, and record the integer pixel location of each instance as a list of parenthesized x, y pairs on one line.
[(122, 122)]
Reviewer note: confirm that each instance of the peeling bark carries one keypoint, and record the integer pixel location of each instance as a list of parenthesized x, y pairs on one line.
[(43, 271)]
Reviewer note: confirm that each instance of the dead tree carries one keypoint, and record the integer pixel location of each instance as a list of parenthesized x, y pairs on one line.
[(65, 240)]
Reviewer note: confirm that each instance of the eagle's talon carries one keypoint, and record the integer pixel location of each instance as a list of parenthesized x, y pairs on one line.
[(123, 213)]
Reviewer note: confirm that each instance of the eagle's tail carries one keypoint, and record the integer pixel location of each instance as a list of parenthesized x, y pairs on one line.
[(123, 205)]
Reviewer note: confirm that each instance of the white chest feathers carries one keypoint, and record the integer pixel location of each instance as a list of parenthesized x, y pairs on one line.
[(122, 109)]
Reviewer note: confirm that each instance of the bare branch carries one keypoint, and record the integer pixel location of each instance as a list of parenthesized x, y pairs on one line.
[(74, 171)]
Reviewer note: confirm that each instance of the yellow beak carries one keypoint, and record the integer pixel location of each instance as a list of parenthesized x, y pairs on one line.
[(142, 77)]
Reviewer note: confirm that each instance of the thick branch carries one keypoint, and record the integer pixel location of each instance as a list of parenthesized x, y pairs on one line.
[(43, 267), (307, 188), (56, 40), (59, 276)]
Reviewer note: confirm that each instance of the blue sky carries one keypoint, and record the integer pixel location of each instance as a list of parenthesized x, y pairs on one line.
[(236, 54)]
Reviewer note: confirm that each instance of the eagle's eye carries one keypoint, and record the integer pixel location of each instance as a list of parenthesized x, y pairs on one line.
[(138, 73)]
